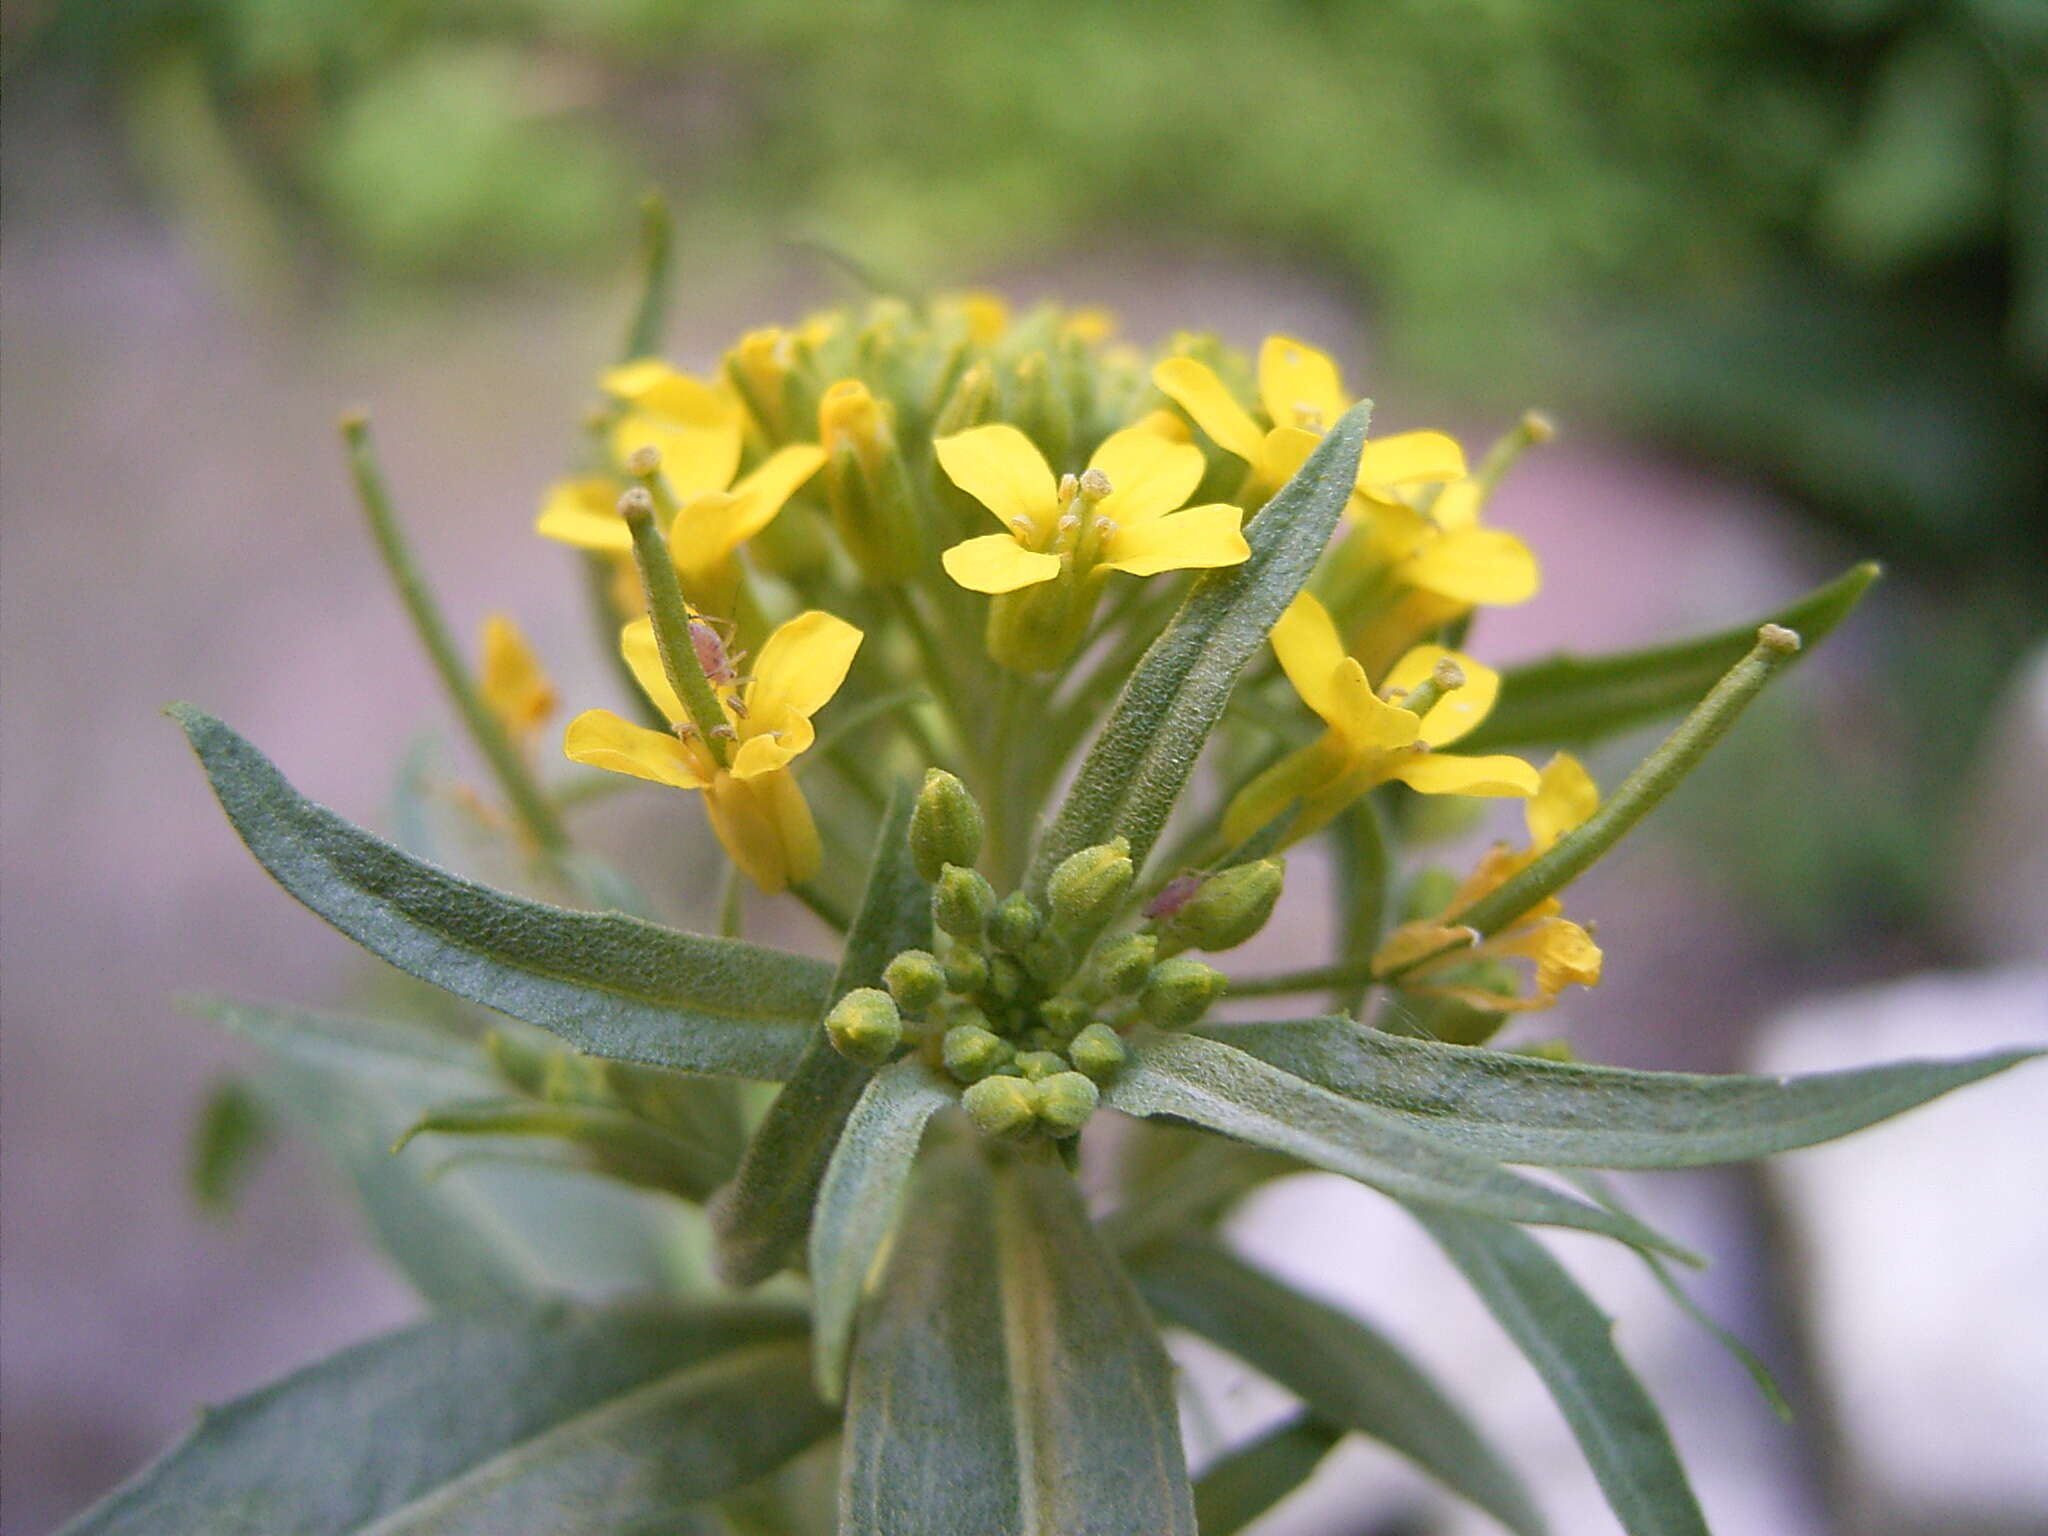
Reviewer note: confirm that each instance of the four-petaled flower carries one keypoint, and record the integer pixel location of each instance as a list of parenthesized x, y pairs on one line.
[(1369, 740), (754, 802)]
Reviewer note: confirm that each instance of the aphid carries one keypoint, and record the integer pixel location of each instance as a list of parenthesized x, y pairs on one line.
[(721, 667), (1174, 895)]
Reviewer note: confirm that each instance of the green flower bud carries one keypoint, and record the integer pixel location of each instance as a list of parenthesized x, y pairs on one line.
[(1063, 1015), (1097, 1052), (966, 969), (945, 826), (1087, 887), (1065, 1102), (1038, 1064), (953, 1015), (521, 1062), (914, 980), (1179, 992), (1122, 965), (1048, 958), (1014, 924), (1225, 910), (865, 1026), (1005, 977), (972, 1052), (961, 902), (1001, 1106)]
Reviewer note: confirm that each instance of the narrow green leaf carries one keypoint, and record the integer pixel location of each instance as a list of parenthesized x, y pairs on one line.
[(1570, 1341), (622, 1145), (1213, 1085), (763, 1215), (229, 1140), (1243, 1485), (1571, 700), (1346, 1372), (1520, 1109), (1133, 775), (609, 984), (580, 1419), (1007, 1380), (859, 1200)]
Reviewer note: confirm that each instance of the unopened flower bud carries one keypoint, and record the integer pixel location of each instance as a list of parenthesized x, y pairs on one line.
[(1087, 887), (1040, 1064), (1226, 910), (1001, 1106), (1122, 965), (966, 969), (972, 1052), (1097, 1052), (1005, 977), (961, 902), (915, 980), (945, 826), (1015, 923), (1066, 1100), (1179, 992), (956, 1015), (1063, 1015), (864, 1026)]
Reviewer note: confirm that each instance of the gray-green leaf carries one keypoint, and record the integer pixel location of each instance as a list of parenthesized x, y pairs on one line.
[(1520, 1109), (609, 984), (1243, 1485)]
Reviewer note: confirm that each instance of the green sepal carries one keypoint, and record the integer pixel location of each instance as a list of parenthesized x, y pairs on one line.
[(619, 1144)]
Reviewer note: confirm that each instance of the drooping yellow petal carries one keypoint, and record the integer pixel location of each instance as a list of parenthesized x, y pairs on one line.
[(643, 658), (1194, 387), (603, 740), (996, 562), (695, 456), (1299, 386), (802, 665), (802, 851), (1563, 954), (745, 815), (1200, 538), (1310, 651), (1565, 796), (1445, 773), (1457, 711), (1000, 468), (584, 513), (1299, 774), (513, 682), (1410, 458), (1148, 475), (1475, 566), (1419, 940)]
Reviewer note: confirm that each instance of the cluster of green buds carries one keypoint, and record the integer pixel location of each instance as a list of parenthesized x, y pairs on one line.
[(1026, 1003)]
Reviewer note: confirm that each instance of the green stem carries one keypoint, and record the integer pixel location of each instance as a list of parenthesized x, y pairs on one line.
[(731, 902), (671, 619), (535, 812), (823, 907), (657, 254), (1341, 977)]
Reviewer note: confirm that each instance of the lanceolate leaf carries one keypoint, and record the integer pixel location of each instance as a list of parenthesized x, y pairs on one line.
[(625, 1147), (1571, 700), (1346, 1372), (1210, 1084), (858, 1203), (1136, 770), (1570, 1341), (1250, 1480), (1520, 1109), (609, 984), (1006, 1380), (524, 1416), (762, 1216)]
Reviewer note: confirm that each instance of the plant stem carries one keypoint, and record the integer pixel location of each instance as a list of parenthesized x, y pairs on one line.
[(1342, 976), (657, 250), (671, 620)]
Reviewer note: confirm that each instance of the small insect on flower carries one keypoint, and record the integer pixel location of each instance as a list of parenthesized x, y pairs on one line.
[(721, 666)]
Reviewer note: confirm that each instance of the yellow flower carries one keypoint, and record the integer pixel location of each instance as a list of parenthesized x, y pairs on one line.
[(1302, 394), (514, 685), (1119, 515), (755, 805), (1559, 951), (1368, 740)]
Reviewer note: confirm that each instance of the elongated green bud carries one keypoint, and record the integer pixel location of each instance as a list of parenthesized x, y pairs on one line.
[(1014, 924), (866, 484), (1087, 887), (915, 980), (1098, 1051), (1122, 965), (1225, 910), (971, 1052), (865, 1027), (961, 902), (966, 969), (1066, 1101), (1005, 1107), (1179, 992), (946, 826)]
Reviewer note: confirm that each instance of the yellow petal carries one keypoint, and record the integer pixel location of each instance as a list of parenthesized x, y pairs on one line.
[(601, 739), (986, 314), (643, 658), (708, 527), (802, 852), (996, 562), (584, 513), (1443, 773), (1417, 941), (514, 684), (1283, 451), (1167, 424), (653, 386), (1369, 726), (1195, 388), (1299, 773), (1306, 641), (777, 478), (1474, 565), (1457, 711), (999, 467), (1148, 475), (629, 381), (802, 665), (1565, 796), (1199, 538), (695, 456), (1457, 505), (771, 743), (1410, 458), (1564, 954), (1299, 386), (744, 815)]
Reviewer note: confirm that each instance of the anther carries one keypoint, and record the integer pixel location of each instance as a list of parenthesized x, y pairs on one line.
[(1778, 638), (1095, 484)]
